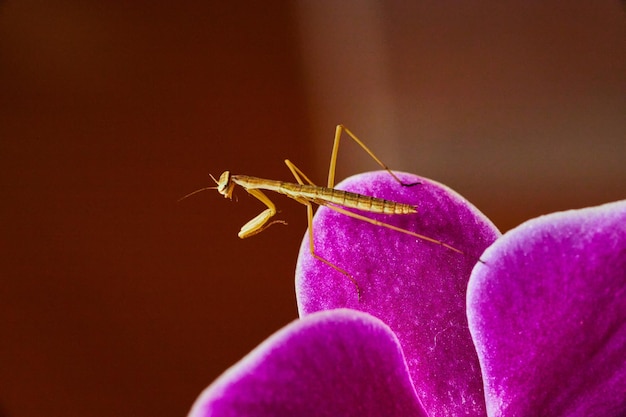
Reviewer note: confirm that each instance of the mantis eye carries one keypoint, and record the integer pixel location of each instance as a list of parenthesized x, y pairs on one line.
[(224, 183)]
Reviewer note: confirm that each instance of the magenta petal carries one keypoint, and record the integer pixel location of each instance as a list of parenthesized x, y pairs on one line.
[(548, 315), (337, 363), (416, 287)]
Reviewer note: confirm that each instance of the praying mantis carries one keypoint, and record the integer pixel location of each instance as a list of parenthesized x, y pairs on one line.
[(307, 193)]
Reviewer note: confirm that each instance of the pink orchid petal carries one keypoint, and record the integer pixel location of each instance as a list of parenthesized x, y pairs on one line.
[(414, 286), (548, 314), (330, 364)]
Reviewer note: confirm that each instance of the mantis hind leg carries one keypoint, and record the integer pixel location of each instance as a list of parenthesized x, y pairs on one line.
[(333, 157), (392, 227), (399, 229)]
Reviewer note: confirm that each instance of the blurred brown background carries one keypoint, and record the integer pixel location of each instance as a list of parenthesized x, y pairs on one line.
[(117, 300)]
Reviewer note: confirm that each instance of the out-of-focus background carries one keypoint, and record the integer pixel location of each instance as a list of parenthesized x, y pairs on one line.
[(115, 299)]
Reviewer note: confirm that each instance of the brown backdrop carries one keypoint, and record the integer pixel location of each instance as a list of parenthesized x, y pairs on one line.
[(114, 298)]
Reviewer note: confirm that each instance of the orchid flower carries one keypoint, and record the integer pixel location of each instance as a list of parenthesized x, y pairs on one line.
[(531, 323)]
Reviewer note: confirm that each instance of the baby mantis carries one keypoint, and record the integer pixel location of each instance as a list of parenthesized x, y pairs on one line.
[(309, 194)]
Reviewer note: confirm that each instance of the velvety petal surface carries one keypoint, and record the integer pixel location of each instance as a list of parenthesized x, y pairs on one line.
[(548, 314), (416, 287), (338, 363)]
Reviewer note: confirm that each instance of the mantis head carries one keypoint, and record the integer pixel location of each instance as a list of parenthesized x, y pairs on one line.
[(224, 185)]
